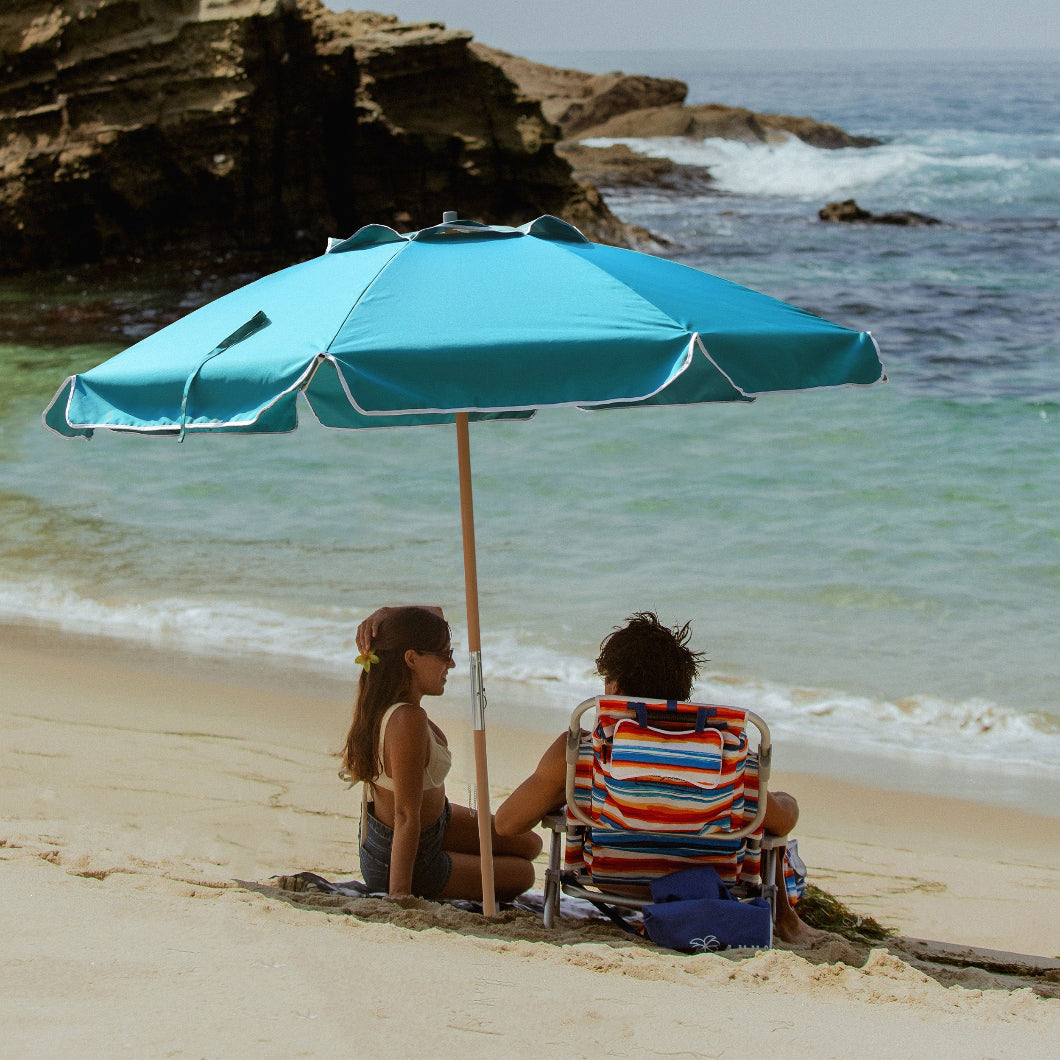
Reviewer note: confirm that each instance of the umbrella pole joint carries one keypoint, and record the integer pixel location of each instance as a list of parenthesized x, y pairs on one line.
[(478, 691)]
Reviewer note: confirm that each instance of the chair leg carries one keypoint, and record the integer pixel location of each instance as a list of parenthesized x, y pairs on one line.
[(552, 873), (769, 885), (551, 901), (770, 846)]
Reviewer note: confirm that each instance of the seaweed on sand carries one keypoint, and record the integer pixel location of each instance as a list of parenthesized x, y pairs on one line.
[(822, 910)]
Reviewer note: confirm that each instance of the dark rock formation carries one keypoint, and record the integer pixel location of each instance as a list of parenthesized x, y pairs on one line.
[(622, 105), (127, 125), (848, 211), (575, 100), (815, 133), (731, 123), (845, 211), (619, 166)]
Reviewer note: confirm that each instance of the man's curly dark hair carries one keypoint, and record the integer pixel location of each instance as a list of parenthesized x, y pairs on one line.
[(646, 658)]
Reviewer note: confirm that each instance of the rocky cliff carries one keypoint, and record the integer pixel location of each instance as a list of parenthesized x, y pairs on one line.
[(631, 106), (127, 125), (575, 100)]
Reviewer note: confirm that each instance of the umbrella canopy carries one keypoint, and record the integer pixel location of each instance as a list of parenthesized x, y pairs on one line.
[(388, 329), (461, 322)]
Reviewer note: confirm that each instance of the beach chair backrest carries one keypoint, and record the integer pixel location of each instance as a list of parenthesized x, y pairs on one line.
[(660, 786), (674, 769)]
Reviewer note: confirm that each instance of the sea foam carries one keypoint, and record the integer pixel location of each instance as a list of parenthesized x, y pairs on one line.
[(917, 170), (973, 732), (791, 169)]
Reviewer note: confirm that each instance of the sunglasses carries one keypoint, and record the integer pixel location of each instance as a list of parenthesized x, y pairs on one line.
[(447, 655)]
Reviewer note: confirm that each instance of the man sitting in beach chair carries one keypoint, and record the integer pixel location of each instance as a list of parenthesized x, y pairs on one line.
[(649, 662)]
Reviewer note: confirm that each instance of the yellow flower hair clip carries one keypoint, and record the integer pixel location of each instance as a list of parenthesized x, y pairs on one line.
[(366, 660)]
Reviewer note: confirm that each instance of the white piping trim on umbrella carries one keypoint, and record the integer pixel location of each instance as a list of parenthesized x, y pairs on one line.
[(879, 357), (799, 389), (67, 385), (725, 375), (507, 408), (302, 382), (307, 376)]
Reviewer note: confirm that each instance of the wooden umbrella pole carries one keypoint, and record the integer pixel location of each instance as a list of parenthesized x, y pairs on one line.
[(474, 646)]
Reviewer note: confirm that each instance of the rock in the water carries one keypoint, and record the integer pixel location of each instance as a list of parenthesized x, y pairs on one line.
[(618, 166), (619, 105), (849, 211), (845, 211), (707, 120)]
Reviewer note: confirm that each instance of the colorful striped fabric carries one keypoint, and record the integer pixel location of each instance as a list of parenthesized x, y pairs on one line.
[(661, 779), (665, 783)]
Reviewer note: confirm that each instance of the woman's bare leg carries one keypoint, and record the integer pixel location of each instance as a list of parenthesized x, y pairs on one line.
[(513, 859), (511, 876)]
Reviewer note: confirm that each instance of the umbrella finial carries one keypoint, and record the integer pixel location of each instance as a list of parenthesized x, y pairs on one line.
[(449, 217)]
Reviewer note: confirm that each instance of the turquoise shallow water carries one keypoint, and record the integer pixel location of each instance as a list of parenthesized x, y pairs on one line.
[(876, 570)]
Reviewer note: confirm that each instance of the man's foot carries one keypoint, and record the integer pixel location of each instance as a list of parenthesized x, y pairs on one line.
[(790, 928)]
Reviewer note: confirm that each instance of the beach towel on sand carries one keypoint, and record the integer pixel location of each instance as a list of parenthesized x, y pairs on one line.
[(531, 901)]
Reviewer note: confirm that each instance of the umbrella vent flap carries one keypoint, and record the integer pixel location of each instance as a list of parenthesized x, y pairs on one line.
[(258, 321), (544, 227)]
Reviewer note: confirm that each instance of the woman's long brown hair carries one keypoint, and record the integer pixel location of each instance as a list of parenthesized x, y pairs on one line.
[(380, 687)]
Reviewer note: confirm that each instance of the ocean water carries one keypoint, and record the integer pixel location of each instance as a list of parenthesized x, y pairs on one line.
[(876, 571)]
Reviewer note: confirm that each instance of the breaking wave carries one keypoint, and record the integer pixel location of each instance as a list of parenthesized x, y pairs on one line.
[(915, 172), (968, 733)]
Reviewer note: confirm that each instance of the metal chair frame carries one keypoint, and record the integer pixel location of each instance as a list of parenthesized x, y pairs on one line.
[(581, 886)]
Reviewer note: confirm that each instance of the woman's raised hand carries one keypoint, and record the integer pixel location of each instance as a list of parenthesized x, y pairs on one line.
[(369, 628)]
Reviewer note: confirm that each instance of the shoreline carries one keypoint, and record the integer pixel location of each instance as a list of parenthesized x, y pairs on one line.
[(972, 781)]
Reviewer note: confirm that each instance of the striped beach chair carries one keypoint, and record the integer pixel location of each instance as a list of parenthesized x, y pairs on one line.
[(658, 786)]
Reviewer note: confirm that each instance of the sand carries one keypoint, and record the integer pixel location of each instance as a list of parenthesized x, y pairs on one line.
[(137, 788)]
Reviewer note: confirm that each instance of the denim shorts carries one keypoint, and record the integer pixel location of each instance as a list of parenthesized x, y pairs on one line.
[(432, 868)]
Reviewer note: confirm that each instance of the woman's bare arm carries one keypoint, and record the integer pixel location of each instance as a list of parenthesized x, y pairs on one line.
[(405, 747)]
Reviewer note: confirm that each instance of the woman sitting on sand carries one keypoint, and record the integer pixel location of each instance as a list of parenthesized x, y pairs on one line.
[(414, 841), (645, 658)]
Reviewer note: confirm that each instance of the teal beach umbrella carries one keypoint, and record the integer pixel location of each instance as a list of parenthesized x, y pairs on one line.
[(457, 323)]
